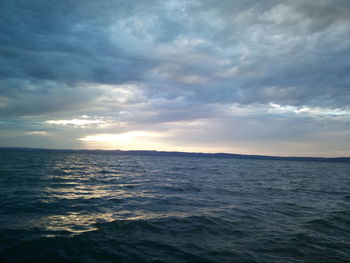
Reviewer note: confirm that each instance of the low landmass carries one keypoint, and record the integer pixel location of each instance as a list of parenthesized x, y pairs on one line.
[(184, 154)]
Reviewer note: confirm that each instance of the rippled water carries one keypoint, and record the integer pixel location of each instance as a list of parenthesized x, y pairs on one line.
[(73, 207)]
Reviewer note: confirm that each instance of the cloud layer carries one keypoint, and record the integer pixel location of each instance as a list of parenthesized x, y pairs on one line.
[(268, 77)]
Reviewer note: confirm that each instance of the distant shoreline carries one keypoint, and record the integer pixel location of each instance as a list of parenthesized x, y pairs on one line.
[(184, 154)]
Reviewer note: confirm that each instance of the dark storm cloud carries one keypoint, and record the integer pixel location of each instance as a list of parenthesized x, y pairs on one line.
[(268, 45), (302, 46)]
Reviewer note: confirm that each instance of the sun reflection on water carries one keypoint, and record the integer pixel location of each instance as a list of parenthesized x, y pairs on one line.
[(91, 194)]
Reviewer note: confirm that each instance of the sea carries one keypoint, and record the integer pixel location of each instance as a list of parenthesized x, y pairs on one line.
[(98, 207)]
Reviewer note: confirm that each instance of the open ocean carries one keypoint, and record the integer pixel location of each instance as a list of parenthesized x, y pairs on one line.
[(87, 207)]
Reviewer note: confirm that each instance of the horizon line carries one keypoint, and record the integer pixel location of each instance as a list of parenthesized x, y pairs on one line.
[(215, 154)]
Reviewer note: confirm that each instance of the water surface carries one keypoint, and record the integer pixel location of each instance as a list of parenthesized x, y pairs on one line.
[(75, 207)]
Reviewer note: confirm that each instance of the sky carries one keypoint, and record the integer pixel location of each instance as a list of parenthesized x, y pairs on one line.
[(239, 76)]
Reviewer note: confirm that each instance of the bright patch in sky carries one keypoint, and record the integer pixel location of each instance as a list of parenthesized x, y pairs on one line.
[(128, 140), (308, 110), (122, 137), (37, 133), (75, 122)]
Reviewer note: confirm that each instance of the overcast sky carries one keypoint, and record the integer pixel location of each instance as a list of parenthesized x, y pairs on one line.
[(240, 76)]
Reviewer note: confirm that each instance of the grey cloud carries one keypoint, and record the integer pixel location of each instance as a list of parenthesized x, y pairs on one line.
[(26, 98), (64, 41), (188, 59), (118, 41)]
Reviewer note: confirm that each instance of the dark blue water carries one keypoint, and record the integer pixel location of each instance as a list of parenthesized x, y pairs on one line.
[(64, 207)]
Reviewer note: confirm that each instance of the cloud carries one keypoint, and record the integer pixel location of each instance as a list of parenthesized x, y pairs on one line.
[(155, 64), (76, 122)]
